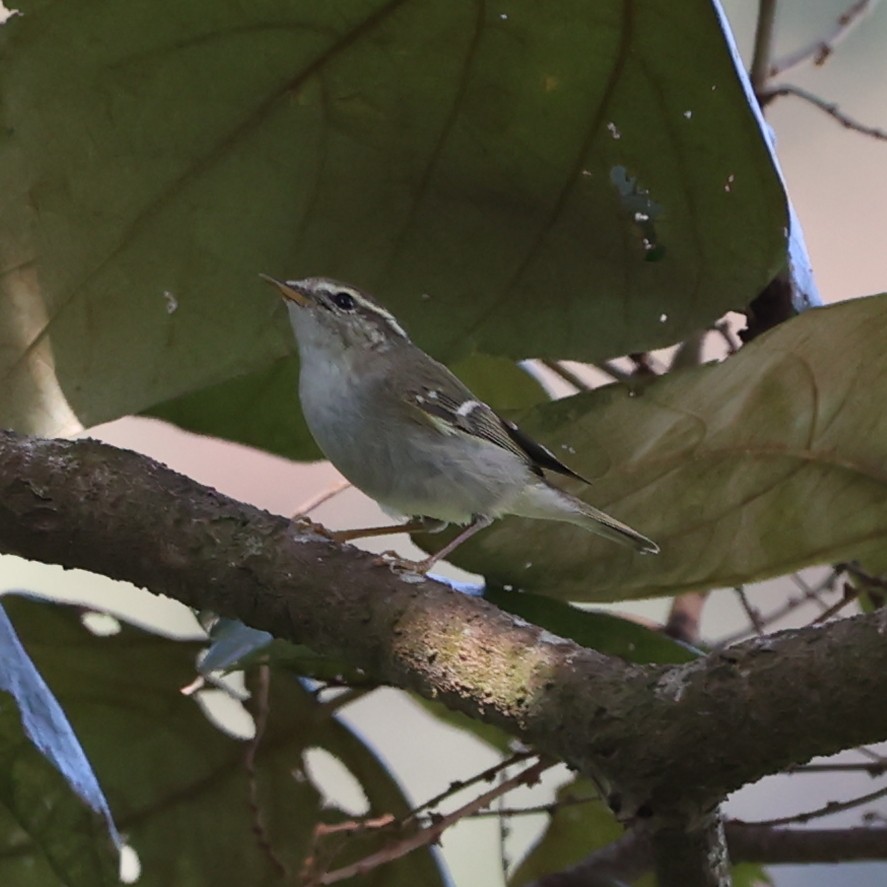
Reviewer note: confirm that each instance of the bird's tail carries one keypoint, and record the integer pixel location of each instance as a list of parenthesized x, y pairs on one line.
[(545, 501), (603, 524)]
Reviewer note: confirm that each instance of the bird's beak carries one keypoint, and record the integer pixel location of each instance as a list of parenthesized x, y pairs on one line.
[(288, 291)]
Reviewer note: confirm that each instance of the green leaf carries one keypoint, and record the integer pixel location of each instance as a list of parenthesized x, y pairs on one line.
[(547, 180), (750, 874), (237, 646), (174, 779), (771, 461), (260, 409), (574, 831), (603, 632), (500, 381), (50, 801)]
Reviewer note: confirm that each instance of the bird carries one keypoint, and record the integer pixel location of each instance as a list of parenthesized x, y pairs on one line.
[(401, 427)]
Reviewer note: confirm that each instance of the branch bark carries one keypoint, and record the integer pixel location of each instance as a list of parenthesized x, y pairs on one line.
[(669, 742), (632, 855)]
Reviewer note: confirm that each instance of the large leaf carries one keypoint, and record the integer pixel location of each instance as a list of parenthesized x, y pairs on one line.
[(50, 800), (176, 782), (580, 824), (532, 179), (774, 460)]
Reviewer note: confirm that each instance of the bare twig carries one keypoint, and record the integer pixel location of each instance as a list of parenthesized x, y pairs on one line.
[(810, 595), (866, 578), (644, 364), (829, 108), (826, 810), (849, 596), (547, 809), (874, 768), (871, 754), (323, 496), (722, 327), (432, 833), (487, 775), (564, 372), (503, 828), (260, 716), (685, 615), (819, 51), (753, 613), (760, 65), (610, 368), (353, 826)]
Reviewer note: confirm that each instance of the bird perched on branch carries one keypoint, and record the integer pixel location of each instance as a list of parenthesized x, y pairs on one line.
[(404, 430)]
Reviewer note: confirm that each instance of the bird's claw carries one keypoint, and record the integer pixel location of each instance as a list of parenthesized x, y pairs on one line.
[(394, 561), (305, 525)]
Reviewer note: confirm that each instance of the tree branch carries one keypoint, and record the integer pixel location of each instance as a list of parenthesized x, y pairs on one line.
[(745, 711), (631, 856), (694, 858)]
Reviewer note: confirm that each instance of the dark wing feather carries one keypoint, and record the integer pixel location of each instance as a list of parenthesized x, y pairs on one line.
[(539, 455), (445, 401)]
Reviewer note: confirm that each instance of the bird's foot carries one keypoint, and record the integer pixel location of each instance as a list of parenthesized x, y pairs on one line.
[(400, 564), (305, 525)]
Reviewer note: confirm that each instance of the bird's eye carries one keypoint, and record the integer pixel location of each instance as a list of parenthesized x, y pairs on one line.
[(343, 300)]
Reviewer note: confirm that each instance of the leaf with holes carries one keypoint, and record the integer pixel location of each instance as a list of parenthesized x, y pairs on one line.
[(537, 180)]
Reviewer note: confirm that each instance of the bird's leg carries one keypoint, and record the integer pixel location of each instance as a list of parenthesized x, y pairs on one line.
[(479, 523), (414, 525)]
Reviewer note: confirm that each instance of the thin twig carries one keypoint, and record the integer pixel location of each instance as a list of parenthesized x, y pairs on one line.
[(547, 809), (503, 829), (871, 754), (722, 327), (644, 364), (826, 810), (829, 108), (487, 775), (433, 832), (260, 716), (810, 595), (566, 374), (760, 65), (610, 368), (685, 616), (821, 50), (866, 578), (354, 826), (324, 496), (753, 613), (850, 595), (875, 768)]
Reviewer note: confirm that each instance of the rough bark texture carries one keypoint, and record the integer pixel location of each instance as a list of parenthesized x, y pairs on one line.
[(670, 742), (631, 856), (694, 858)]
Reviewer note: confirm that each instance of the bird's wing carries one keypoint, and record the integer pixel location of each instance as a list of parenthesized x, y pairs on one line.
[(451, 408)]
